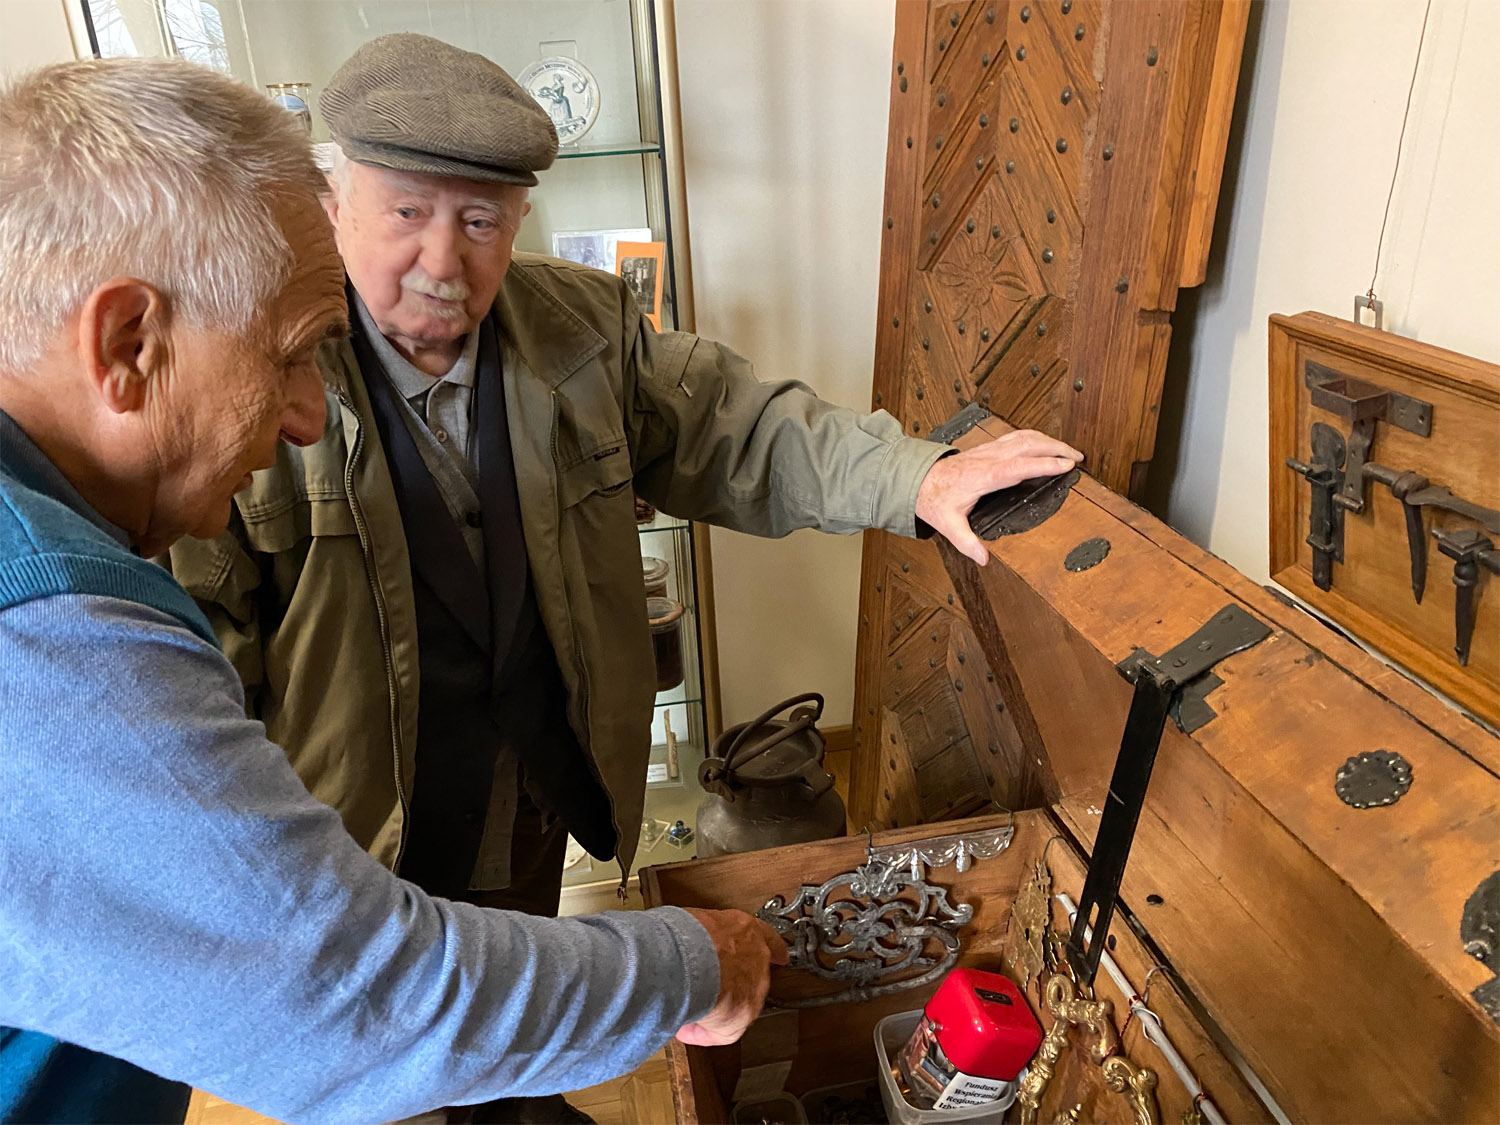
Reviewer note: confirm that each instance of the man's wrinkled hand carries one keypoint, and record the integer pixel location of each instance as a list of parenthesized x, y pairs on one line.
[(747, 949), (955, 483)]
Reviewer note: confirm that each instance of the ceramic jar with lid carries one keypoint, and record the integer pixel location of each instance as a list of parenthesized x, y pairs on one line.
[(665, 615)]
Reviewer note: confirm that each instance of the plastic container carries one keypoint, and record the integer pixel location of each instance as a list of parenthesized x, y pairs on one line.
[(655, 572), (891, 1035), (776, 1109), (666, 640)]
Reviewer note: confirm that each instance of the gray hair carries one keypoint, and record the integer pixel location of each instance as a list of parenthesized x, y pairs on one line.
[(149, 168)]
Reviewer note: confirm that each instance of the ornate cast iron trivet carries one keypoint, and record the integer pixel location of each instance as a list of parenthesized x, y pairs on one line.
[(1373, 779), (1087, 555), (882, 927), (1480, 932)]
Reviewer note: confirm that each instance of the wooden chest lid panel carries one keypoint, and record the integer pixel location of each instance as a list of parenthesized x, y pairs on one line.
[(1275, 895), (1371, 592)]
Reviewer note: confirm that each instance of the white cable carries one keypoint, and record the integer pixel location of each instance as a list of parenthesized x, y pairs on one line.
[(1151, 1024)]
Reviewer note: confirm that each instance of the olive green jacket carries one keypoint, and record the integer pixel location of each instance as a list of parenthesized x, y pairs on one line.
[(310, 590)]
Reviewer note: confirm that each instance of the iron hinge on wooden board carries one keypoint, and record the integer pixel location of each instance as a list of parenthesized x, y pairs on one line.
[(1173, 684)]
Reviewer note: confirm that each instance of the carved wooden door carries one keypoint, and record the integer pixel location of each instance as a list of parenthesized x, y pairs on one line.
[(1051, 174)]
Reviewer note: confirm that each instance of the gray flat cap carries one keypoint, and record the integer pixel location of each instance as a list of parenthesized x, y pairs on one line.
[(417, 104)]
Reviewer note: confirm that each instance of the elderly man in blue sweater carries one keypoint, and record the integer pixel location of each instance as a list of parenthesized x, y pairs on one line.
[(176, 907)]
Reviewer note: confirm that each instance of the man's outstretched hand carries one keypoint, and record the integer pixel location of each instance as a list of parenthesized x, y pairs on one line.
[(747, 949), (954, 484)]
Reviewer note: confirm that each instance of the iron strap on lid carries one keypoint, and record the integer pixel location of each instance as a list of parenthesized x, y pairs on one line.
[(1159, 686)]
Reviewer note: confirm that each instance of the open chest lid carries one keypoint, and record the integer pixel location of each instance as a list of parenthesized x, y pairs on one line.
[(1312, 848)]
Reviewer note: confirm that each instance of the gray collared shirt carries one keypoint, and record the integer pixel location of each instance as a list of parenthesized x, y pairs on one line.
[(439, 415)]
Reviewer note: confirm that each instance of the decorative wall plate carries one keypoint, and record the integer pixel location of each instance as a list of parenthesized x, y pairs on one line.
[(567, 91)]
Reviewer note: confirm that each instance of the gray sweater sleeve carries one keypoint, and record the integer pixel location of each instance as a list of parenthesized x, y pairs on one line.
[(173, 896)]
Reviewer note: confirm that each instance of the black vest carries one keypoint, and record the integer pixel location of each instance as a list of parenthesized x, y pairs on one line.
[(489, 674)]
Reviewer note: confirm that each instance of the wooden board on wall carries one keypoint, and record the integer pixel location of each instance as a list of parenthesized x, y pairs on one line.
[(1371, 593), (1051, 175)]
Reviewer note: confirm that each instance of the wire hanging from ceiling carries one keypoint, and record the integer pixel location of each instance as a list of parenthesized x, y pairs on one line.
[(1406, 114)]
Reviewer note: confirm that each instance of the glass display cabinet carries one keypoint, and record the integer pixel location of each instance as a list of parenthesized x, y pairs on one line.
[(619, 179)]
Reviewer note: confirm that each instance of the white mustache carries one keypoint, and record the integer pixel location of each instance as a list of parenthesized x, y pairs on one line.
[(417, 281)]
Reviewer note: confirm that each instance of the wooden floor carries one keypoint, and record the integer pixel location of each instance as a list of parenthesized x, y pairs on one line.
[(643, 1097)]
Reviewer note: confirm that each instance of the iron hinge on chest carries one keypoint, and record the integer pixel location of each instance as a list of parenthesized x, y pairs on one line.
[(1173, 685)]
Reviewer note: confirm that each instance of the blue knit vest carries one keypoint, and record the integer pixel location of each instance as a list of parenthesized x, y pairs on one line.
[(48, 548)]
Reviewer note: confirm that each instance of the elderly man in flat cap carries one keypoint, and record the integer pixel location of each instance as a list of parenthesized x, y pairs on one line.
[(177, 908), (438, 608)]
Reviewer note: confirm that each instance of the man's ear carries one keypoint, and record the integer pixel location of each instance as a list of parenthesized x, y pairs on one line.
[(124, 340)]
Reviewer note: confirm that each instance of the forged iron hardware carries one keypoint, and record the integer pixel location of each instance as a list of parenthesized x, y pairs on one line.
[(1025, 14), (1479, 930), (1015, 124), (1078, 384), (1109, 150), (1415, 493), (1067, 94), (1012, 510), (1062, 144), (866, 930), (1078, 32), (1375, 305), (1087, 555), (1158, 683), (1021, 54), (903, 84), (1362, 404), (1325, 531), (1047, 254), (1010, 166), (1151, 56), (984, 120), (1469, 550), (1067, 6), (1373, 780)]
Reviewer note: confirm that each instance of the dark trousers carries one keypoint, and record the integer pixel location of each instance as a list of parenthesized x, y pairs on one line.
[(536, 864)]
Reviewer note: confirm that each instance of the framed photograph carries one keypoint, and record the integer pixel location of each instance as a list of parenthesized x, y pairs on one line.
[(643, 267), (594, 248)]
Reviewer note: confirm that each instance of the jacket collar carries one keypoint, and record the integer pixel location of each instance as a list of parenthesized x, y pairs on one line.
[(552, 339)]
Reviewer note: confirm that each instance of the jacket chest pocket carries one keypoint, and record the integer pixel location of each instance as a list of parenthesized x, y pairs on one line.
[(603, 473)]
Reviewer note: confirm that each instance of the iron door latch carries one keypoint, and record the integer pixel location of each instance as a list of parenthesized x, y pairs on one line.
[(1161, 684)]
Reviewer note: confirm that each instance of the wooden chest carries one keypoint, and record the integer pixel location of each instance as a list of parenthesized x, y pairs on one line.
[(1309, 908), (1322, 944)]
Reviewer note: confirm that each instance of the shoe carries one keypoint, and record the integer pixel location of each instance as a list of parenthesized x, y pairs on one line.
[(550, 1110)]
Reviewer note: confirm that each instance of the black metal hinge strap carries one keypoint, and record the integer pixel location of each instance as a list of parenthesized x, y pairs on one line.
[(1325, 530), (1012, 510), (1158, 684)]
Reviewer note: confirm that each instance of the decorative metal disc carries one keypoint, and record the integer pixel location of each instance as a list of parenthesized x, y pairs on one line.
[(1373, 779), (1088, 554)]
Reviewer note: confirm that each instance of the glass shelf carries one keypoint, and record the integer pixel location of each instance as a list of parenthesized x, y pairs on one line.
[(578, 152), (663, 522)]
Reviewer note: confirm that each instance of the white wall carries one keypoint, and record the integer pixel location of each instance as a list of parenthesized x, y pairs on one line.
[(784, 106), (784, 118), (32, 33), (1321, 106)]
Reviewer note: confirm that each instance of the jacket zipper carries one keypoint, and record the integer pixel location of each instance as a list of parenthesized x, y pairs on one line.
[(381, 613), (581, 664)]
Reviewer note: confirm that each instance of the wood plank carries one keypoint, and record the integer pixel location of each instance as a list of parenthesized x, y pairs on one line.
[(1213, 142)]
